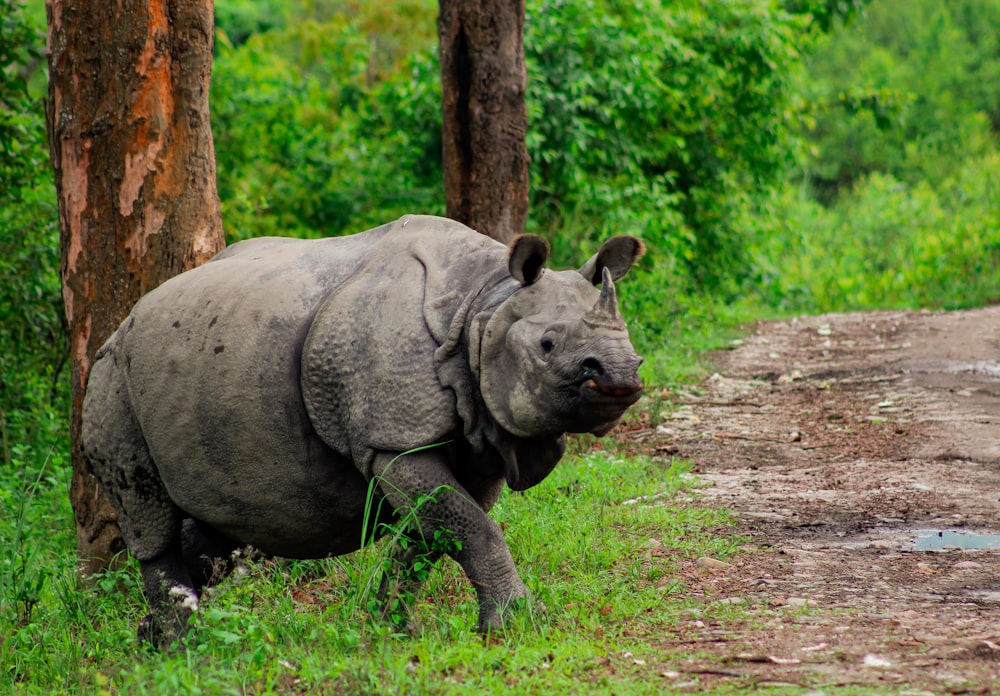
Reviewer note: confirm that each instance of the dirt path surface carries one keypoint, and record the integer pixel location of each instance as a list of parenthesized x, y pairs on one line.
[(847, 443)]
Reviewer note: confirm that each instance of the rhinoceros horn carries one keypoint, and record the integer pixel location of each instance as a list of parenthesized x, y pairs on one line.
[(605, 311)]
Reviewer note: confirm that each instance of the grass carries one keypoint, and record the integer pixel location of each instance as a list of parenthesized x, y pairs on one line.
[(581, 540), (603, 608), (301, 626)]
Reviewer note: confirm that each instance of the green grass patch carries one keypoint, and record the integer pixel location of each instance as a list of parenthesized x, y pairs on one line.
[(581, 541)]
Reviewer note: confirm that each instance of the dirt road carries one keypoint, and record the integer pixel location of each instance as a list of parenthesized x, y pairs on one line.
[(848, 444)]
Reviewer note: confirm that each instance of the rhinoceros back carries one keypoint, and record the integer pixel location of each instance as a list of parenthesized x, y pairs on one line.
[(264, 381), (212, 370), (372, 372)]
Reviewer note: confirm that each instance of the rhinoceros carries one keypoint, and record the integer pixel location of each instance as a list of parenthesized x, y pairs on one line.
[(277, 395)]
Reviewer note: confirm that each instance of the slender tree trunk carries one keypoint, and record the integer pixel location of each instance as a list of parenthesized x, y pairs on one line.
[(132, 150), (483, 82)]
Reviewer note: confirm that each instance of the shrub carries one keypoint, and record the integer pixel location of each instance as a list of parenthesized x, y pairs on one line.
[(889, 244)]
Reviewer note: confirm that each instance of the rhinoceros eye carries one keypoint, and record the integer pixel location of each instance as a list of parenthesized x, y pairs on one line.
[(548, 345)]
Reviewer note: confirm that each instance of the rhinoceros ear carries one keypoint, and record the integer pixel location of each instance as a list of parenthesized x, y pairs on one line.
[(618, 254), (527, 258)]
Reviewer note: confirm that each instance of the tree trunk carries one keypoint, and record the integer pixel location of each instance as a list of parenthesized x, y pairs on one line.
[(483, 82), (131, 146)]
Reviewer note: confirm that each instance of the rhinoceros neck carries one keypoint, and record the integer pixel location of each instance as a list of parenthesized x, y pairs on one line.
[(475, 310), (526, 461), (457, 359)]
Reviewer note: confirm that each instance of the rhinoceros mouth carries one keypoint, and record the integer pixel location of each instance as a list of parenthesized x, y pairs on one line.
[(612, 396)]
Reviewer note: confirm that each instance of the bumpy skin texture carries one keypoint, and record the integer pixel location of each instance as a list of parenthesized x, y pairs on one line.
[(253, 399)]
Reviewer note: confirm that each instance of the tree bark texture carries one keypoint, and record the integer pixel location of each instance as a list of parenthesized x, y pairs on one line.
[(483, 83), (131, 146)]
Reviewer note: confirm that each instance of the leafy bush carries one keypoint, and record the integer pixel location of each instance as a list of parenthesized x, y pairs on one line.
[(889, 244), (656, 117), (911, 89), (32, 339), (309, 143)]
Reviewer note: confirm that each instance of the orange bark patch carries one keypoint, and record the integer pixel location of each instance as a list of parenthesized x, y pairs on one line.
[(75, 166), (151, 115)]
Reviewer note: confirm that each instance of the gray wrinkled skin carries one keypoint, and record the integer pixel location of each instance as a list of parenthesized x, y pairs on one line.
[(253, 399)]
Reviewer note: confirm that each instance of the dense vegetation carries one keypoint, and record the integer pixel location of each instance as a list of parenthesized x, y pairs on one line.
[(777, 157), (774, 158)]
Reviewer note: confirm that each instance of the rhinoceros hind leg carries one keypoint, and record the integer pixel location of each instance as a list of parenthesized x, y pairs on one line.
[(208, 553), (116, 450), (171, 595)]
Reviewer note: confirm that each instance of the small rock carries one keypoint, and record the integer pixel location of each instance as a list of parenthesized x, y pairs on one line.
[(967, 565), (784, 660), (790, 377), (813, 648), (875, 661), (796, 602), (925, 569), (709, 563)]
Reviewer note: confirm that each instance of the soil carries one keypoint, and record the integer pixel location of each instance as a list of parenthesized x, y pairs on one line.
[(846, 443)]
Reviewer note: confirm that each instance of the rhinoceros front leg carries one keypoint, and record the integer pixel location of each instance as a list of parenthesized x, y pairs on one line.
[(444, 505), (410, 559)]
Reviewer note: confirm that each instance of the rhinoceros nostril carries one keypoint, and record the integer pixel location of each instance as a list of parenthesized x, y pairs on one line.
[(592, 368)]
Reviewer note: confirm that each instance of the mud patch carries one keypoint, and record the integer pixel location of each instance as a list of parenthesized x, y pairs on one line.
[(837, 439)]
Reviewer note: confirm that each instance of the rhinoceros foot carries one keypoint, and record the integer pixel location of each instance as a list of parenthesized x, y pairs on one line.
[(495, 616)]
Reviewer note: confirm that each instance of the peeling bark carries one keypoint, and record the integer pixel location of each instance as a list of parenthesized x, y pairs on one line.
[(483, 83), (131, 145)]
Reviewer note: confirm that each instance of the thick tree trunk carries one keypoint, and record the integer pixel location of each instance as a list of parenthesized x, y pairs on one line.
[(483, 82), (132, 150)]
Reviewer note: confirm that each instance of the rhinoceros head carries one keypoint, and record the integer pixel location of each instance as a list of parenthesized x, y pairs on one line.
[(556, 357)]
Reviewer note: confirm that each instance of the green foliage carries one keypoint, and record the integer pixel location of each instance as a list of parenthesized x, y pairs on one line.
[(894, 205), (33, 529), (32, 339), (237, 20), (890, 244), (911, 89), (582, 541), (308, 142), (654, 117), (824, 15), (396, 598)]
